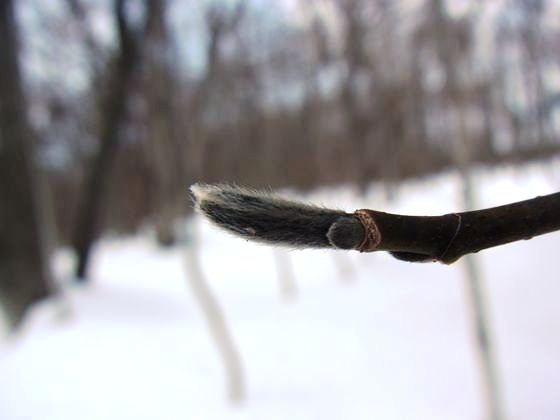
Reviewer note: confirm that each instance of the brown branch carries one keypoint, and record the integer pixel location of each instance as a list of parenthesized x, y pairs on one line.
[(264, 217), (449, 237)]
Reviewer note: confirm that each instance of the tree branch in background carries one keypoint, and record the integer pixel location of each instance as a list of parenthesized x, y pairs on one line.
[(264, 217)]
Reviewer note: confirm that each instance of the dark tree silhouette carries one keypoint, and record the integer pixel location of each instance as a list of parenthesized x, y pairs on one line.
[(113, 107), (24, 274)]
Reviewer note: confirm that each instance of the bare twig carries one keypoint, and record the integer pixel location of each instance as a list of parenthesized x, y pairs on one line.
[(264, 217)]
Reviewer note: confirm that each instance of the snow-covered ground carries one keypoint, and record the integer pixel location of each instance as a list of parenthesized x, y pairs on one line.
[(366, 337)]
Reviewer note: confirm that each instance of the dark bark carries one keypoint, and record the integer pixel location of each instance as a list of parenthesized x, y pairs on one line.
[(263, 217), (113, 111), (449, 237), (164, 147), (24, 275)]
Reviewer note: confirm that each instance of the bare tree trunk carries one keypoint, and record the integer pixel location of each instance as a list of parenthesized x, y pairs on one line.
[(286, 276), (113, 109), (219, 25), (481, 330), (480, 320), (358, 121), (454, 99), (162, 146), (24, 272), (216, 322), (344, 269)]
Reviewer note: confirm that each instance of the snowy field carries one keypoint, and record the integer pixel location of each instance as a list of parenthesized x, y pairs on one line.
[(366, 337)]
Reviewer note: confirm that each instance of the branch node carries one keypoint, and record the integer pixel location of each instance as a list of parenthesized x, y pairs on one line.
[(457, 229), (372, 235)]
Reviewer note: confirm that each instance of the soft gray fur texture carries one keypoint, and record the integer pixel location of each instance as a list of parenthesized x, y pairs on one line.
[(264, 217)]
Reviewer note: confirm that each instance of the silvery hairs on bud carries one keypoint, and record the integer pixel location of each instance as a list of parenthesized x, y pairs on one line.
[(264, 217)]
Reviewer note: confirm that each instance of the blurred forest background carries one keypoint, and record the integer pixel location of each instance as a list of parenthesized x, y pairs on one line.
[(111, 109)]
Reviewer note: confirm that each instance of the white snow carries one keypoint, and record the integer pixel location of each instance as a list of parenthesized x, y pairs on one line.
[(391, 340)]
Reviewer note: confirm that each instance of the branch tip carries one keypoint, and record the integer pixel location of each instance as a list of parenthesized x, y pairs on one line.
[(264, 217)]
